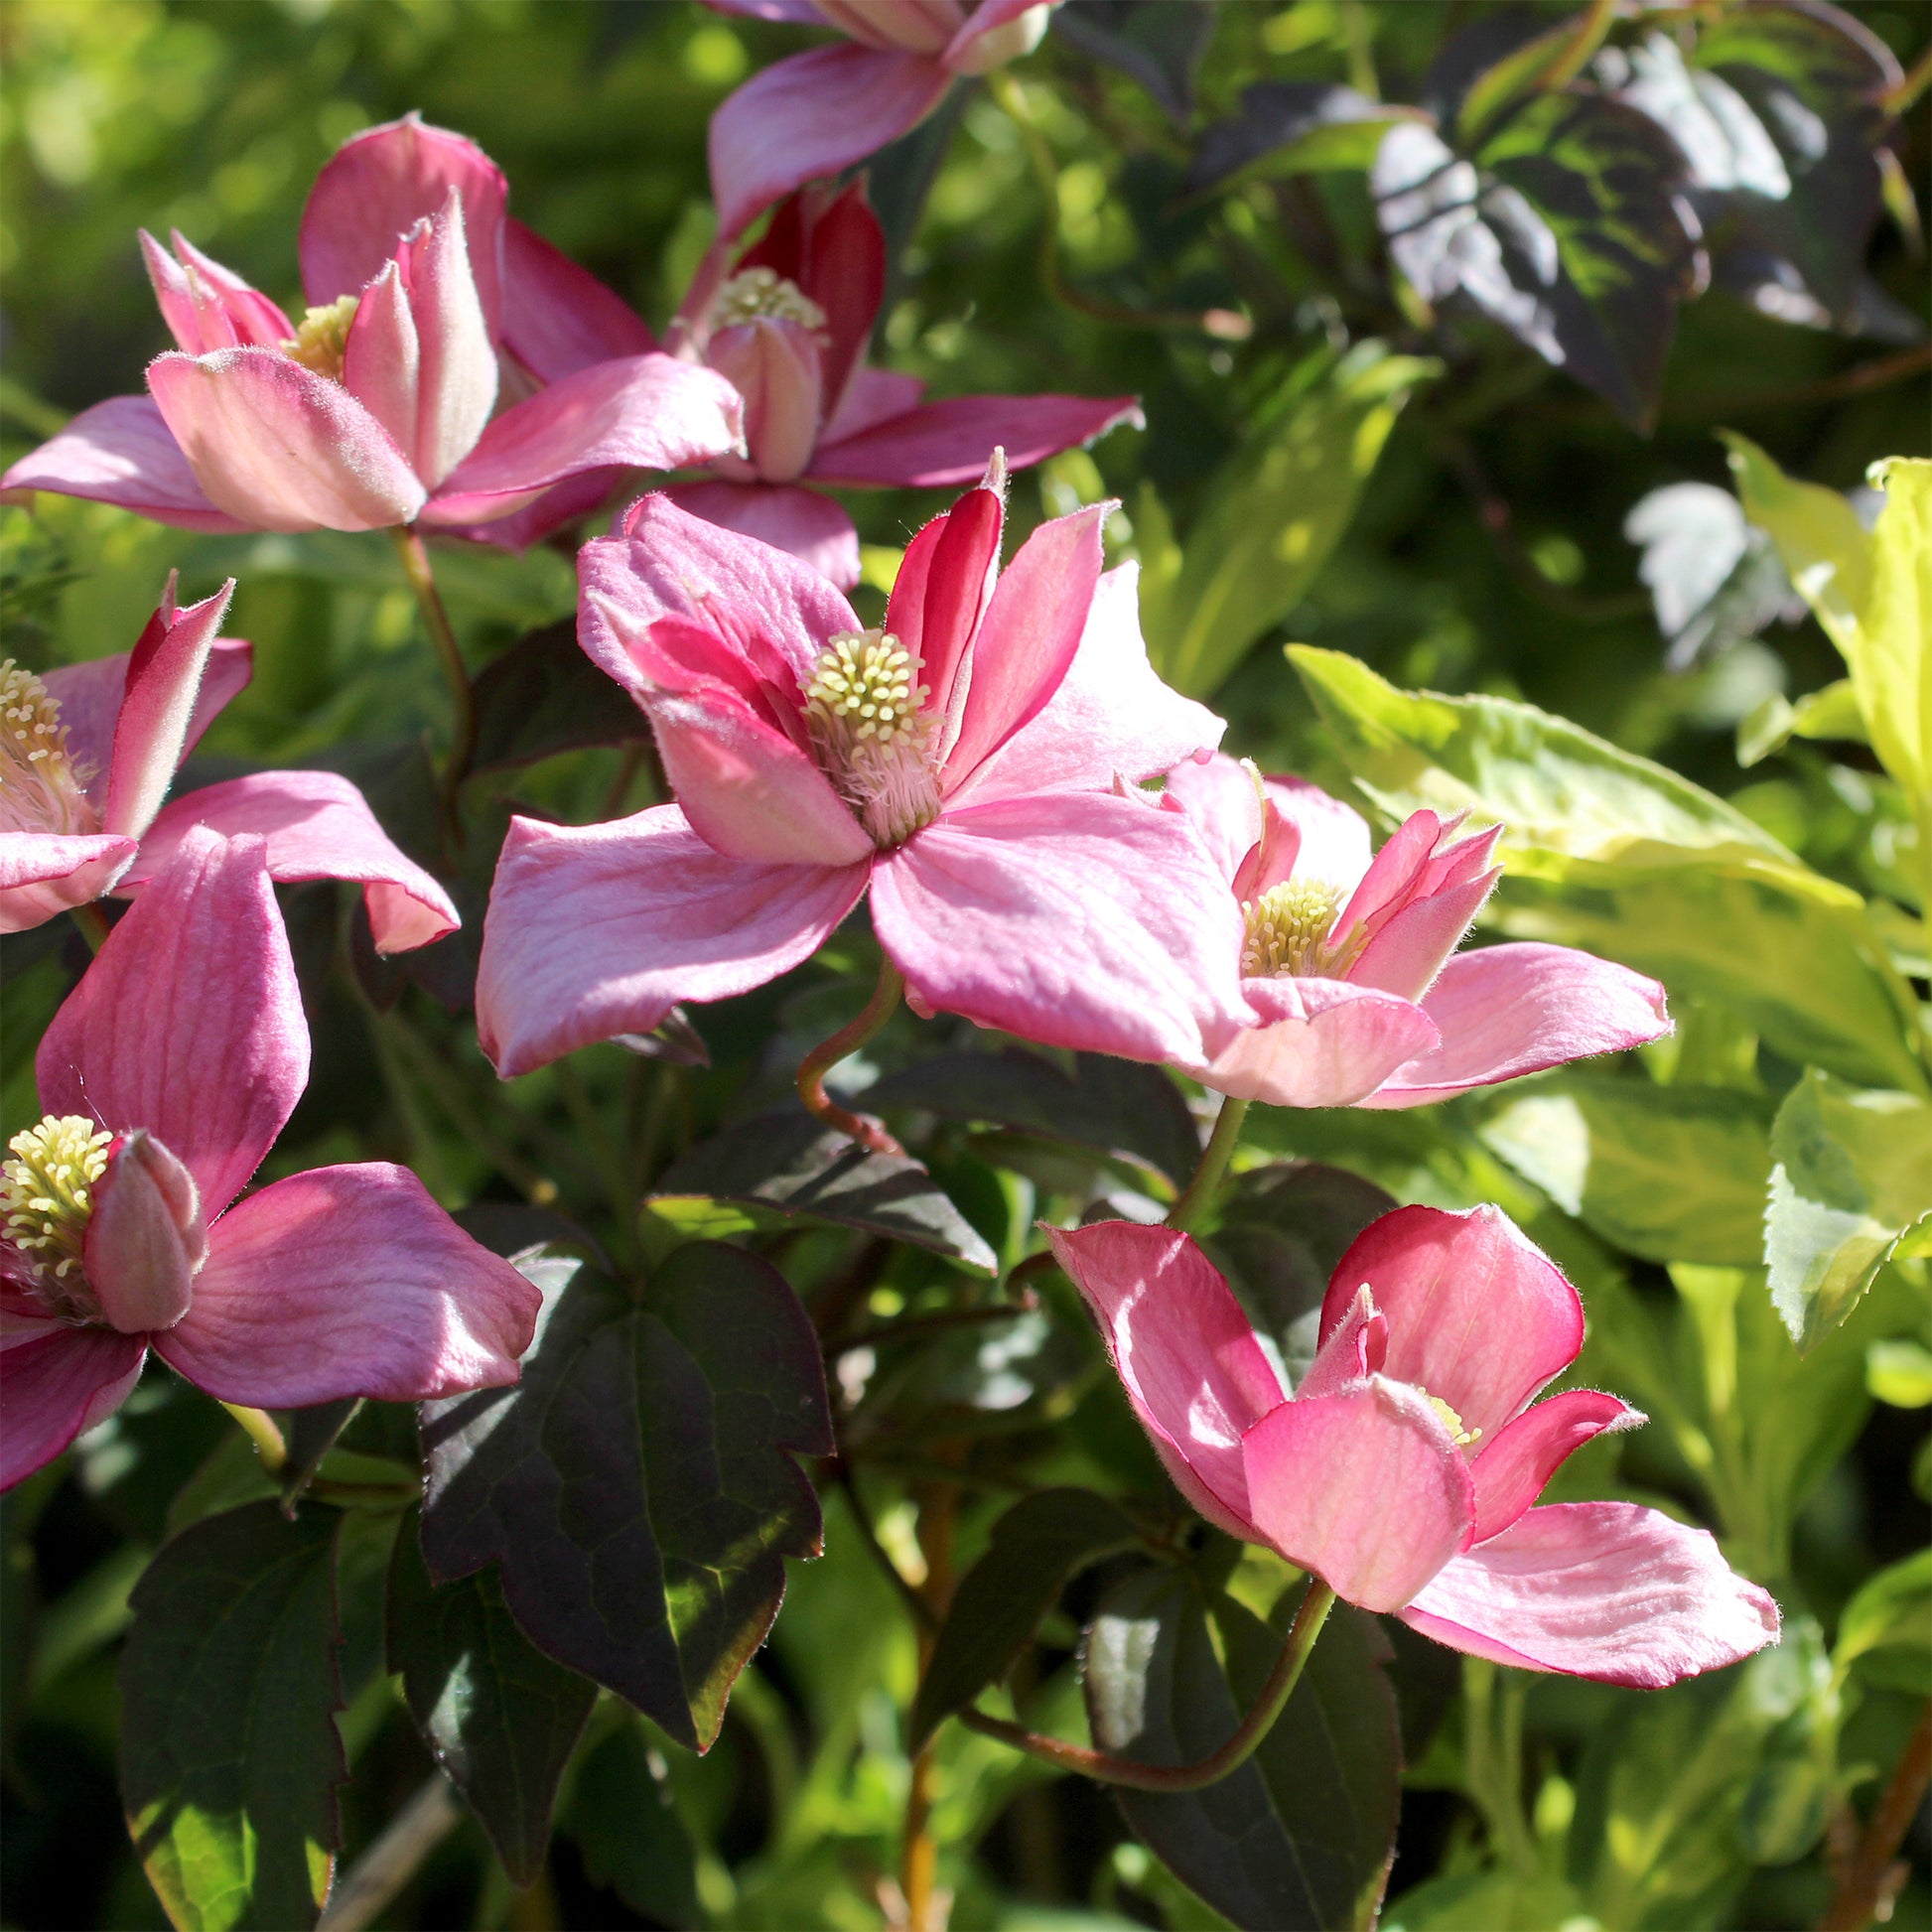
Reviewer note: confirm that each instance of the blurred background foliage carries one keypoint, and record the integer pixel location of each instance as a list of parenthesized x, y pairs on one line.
[(1458, 510)]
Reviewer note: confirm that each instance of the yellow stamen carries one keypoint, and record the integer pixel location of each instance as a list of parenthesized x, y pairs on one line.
[(41, 790), (1462, 1438), (47, 1193), (761, 294), (320, 342), (1288, 929), (863, 705)]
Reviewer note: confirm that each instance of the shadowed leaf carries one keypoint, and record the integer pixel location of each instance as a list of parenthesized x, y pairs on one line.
[(543, 696)]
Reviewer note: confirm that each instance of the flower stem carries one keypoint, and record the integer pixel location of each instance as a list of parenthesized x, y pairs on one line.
[(1242, 1745), (92, 922), (259, 1427), (1870, 1881), (436, 619), (813, 1069), (1219, 1151)]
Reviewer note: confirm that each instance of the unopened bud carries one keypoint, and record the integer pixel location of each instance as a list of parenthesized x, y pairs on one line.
[(146, 1237), (776, 366)]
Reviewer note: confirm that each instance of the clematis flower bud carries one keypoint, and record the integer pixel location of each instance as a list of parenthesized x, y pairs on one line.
[(768, 345), (147, 1236)]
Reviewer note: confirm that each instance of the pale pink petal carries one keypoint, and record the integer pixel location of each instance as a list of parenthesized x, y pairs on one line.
[(1111, 716), (1608, 1590), (1409, 949), (189, 1023), (1505, 1010), (1353, 1350), (1217, 792), (645, 412), (1185, 1353), (1396, 871), (345, 1282), (1334, 845), (1364, 1487), (378, 185), (1478, 1316), (280, 448), (207, 310), (1027, 640), (808, 526), (1078, 920), (561, 504), (942, 443), (146, 1236), (871, 396), (810, 116), (1321, 1043), (251, 316), (793, 12), (941, 591), (122, 452), (1512, 1466), (967, 51), (160, 691), (597, 931), (44, 872), (458, 385), (382, 358), (53, 1384), (778, 368), (318, 826), (559, 318)]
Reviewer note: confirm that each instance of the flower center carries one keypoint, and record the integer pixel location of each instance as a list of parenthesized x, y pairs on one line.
[(1462, 1438), (863, 706), (763, 294), (47, 1199), (39, 788), (320, 342), (1287, 930)]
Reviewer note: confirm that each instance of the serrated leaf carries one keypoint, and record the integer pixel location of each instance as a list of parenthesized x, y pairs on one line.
[(1158, 43), (497, 1715), (1037, 1545), (1293, 127), (1671, 1174), (1116, 1107), (638, 1488), (1853, 1173), (230, 1752), (543, 696), (1303, 1834), (792, 1168), (633, 1840)]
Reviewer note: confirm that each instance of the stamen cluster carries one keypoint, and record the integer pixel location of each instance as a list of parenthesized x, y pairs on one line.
[(761, 293), (1461, 1437), (1288, 928), (47, 1190), (321, 340), (40, 789), (864, 707)]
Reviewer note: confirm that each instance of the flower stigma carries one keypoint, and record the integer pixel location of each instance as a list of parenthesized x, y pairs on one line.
[(40, 788), (863, 706), (320, 342), (1287, 930), (46, 1195), (763, 295)]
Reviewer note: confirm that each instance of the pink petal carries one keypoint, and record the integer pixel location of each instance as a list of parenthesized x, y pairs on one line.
[(44, 872), (1111, 717), (1217, 792), (161, 693), (1608, 1590), (1505, 1010), (317, 826), (965, 53), (382, 358), (456, 387), (345, 1282), (378, 185), (801, 523), (645, 412), (1322, 1043), (1028, 639), (146, 1237), (1185, 1353), (1334, 845), (832, 247), (1511, 1470), (561, 504), (778, 368), (942, 443), (1396, 871), (252, 317), (189, 1023), (1478, 1316), (205, 306), (597, 931), (941, 591), (58, 1380), (1363, 1487), (871, 396), (1409, 951), (280, 448), (122, 452), (810, 116), (559, 318), (795, 12), (1354, 1350), (1078, 920)]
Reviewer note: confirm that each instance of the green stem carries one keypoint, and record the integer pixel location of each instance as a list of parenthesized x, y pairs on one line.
[(436, 619), (92, 922), (260, 1428), (1242, 1745), (1219, 1151), (813, 1069)]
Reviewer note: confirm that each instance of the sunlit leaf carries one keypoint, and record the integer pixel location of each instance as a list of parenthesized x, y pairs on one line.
[(1885, 1630), (1292, 127), (1712, 578)]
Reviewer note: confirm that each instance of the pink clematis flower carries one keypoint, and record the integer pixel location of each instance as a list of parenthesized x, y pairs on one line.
[(167, 1075), (788, 327), (1403, 1469), (1347, 956), (377, 409), (817, 112), (87, 754), (962, 763)]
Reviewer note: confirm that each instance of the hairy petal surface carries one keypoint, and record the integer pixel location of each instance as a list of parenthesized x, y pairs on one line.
[(940, 445), (808, 526), (44, 872), (1322, 1043)]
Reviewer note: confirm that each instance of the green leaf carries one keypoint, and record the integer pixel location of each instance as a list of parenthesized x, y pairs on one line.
[(1899, 1373), (1548, 60), (1037, 1545), (1301, 1835), (1274, 511), (783, 1167), (1499, 1901), (1671, 1174), (1158, 43), (633, 1840), (1831, 711), (1116, 1107), (543, 696), (496, 1714), (1854, 1171), (636, 1487), (1293, 127), (1885, 1630), (310, 1435), (229, 1753)]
